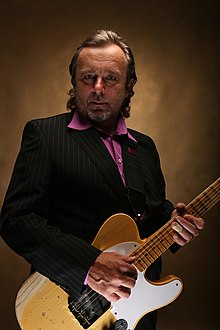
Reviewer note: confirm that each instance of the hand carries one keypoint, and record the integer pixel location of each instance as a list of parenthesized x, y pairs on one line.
[(113, 275), (186, 226)]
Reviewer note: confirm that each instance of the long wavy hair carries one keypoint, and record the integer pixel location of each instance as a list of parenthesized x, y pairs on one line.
[(103, 38)]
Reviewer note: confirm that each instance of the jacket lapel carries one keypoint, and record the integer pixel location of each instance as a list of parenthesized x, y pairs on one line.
[(91, 143)]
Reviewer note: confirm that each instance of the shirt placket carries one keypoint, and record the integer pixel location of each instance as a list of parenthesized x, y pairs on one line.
[(116, 153)]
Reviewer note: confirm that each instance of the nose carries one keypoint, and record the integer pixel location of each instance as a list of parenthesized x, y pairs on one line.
[(99, 87)]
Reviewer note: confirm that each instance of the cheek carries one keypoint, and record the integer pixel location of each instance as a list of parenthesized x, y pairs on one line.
[(116, 91), (82, 93), (119, 96)]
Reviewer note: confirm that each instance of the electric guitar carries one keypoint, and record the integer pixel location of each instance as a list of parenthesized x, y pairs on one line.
[(43, 305)]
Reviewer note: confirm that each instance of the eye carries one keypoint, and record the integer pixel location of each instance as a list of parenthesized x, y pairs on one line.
[(88, 78), (111, 79)]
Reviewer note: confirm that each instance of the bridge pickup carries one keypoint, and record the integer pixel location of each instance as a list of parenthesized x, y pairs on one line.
[(89, 307)]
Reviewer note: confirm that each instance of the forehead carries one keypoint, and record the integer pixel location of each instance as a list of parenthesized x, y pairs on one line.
[(111, 56)]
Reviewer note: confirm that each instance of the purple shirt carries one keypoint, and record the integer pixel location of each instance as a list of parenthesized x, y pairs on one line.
[(79, 122)]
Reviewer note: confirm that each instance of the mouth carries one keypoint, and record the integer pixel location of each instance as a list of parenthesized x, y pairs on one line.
[(98, 102), (98, 105)]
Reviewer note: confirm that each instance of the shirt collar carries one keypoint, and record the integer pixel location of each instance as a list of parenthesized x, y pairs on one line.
[(80, 123)]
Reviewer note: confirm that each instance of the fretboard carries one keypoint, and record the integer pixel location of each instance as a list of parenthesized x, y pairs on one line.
[(162, 240)]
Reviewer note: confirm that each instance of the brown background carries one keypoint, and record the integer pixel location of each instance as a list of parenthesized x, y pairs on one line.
[(176, 102)]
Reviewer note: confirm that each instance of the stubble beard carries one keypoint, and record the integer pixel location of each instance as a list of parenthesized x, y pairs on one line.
[(99, 117), (95, 115)]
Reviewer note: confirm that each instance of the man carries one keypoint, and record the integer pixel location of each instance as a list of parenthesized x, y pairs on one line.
[(75, 170)]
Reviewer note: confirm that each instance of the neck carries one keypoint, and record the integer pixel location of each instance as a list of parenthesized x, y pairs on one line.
[(107, 126)]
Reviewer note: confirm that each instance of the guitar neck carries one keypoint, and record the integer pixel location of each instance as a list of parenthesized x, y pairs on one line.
[(161, 240)]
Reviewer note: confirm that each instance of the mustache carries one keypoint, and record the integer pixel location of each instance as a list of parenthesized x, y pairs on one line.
[(98, 99)]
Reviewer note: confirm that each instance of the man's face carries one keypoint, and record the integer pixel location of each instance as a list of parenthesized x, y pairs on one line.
[(100, 83)]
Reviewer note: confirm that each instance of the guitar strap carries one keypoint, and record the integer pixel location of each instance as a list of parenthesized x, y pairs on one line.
[(134, 178)]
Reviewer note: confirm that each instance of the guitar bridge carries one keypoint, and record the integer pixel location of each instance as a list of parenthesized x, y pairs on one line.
[(89, 307)]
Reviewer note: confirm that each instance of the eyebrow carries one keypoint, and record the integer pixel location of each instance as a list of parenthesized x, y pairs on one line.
[(108, 71)]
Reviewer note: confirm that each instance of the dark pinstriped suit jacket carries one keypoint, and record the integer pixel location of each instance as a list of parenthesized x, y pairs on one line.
[(65, 185)]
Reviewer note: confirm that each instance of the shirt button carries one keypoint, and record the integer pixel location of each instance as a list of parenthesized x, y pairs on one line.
[(119, 160)]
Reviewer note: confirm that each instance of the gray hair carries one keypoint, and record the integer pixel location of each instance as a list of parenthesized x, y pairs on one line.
[(103, 38)]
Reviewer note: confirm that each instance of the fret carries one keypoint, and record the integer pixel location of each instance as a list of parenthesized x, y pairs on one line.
[(156, 249), (151, 251), (192, 209), (165, 243), (141, 266), (170, 232), (208, 198), (148, 257), (162, 248), (161, 238)]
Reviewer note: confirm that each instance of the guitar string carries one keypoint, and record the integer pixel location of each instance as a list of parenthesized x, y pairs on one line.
[(166, 228), (211, 201), (199, 207)]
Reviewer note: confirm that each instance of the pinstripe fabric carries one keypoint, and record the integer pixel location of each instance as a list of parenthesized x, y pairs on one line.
[(64, 186)]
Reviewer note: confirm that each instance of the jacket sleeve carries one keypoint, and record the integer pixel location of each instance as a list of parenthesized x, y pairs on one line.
[(63, 258)]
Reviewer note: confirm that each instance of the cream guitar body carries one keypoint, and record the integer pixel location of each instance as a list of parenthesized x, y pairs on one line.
[(43, 305)]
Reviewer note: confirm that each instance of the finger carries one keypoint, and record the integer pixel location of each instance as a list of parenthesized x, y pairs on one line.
[(177, 227), (188, 226), (123, 292), (124, 280), (180, 205), (129, 270), (113, 297), (119, 292), (198, 222), (182, 233), (180, 208), (179, 239), (129, 259)]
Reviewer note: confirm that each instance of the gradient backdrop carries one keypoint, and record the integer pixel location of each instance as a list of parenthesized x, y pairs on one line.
[(176, 102)]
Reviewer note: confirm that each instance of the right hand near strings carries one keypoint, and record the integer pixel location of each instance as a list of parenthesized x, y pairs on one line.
[(112, 275)]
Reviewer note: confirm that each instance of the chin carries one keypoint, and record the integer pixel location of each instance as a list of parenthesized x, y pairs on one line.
[(99, 115)]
